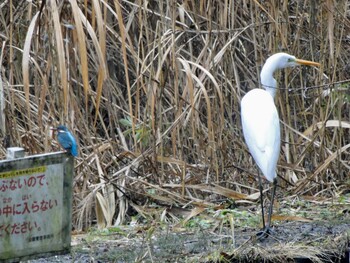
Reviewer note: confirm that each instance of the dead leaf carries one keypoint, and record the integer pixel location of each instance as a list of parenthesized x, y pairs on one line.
[(194, 212), (290, 218)]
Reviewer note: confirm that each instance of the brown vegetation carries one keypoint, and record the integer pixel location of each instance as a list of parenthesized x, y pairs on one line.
[(151, 89)]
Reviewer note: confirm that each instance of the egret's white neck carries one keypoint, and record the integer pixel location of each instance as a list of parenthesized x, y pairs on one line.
[(267, 80)]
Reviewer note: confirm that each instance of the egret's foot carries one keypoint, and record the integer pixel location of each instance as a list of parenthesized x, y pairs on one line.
[(264, 233)]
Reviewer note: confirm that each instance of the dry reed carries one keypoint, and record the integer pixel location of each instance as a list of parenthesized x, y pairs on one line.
[(151, 89)]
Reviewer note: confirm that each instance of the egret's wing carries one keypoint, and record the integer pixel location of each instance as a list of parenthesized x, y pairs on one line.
[(261, 130)]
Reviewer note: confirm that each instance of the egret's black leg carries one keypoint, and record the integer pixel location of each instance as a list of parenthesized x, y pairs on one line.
[(261, 200), (271, 205), (267, 230), (261, 233)]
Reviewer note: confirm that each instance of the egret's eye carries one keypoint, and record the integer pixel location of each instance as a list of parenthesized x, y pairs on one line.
[(290, 60)]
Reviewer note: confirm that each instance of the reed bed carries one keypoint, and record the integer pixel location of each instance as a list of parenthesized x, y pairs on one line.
[(152, 91)]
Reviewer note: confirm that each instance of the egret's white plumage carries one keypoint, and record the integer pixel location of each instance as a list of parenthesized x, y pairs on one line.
[(260, 121), (261, 130)]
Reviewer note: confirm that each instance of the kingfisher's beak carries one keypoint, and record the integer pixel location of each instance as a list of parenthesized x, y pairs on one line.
[(307, 62)]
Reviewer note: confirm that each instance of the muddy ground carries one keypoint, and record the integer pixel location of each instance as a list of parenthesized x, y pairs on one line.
[(323, 237), (318, 242)]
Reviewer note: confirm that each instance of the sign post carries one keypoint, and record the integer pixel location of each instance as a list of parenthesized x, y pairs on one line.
[(35, 206)]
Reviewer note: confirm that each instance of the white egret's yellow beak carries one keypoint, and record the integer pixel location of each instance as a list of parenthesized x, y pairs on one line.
[(307, 62)]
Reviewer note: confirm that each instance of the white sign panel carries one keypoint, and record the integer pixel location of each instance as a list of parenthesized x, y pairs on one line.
[(32, 210)]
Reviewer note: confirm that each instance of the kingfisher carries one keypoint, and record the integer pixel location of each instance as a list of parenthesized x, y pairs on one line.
[(66, 140)]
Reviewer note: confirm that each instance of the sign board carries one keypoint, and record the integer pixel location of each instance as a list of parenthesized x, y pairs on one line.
[(35, 206)]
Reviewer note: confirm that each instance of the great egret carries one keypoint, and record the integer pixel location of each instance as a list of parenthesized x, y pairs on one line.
[(67, 140), (261, 126)]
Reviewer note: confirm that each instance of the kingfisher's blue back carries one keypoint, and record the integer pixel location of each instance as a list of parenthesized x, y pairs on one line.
[(67, 140)]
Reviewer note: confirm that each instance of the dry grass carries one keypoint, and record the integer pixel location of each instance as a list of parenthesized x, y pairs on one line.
[(286, 253), (152, 89)]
